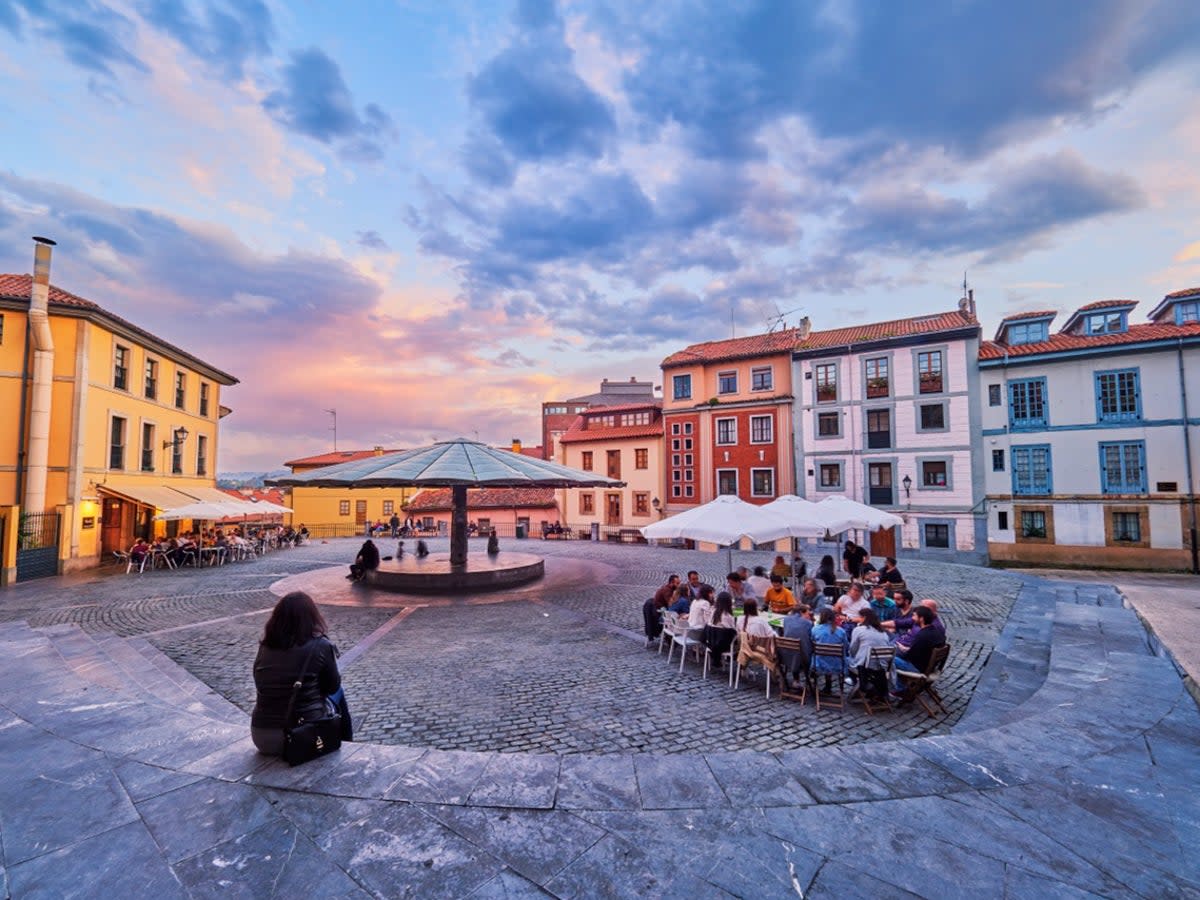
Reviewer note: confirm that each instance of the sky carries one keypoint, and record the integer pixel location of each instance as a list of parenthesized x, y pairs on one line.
[(433, 215)]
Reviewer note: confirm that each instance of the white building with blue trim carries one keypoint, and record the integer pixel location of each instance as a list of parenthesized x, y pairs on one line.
[(1091, 436)]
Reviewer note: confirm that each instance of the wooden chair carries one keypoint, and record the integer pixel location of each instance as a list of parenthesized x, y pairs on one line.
[(831, 651), (882, 658), (919, 685), (789, 651), (755, 649)]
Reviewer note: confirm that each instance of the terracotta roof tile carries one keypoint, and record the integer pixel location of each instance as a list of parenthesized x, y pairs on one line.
[(1059, 342), (734, 348), (1186, 292), (337, 456), (876, 331), (1035, 314), (18, 287), (1108, 304), (434, 499), (614, 433)]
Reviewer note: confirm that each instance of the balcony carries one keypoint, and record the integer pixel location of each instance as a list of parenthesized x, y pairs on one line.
[(879, 440), (877, 387), (880, 496)]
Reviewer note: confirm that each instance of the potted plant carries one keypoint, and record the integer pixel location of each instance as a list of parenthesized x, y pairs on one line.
[(826, 392), (877, 387)]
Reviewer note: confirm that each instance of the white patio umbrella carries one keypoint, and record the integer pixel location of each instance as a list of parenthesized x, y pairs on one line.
[(837, 508), (200, 511), (725, 521), (803, 517)]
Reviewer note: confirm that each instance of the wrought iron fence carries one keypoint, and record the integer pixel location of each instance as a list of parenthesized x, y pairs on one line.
[(38, 530)]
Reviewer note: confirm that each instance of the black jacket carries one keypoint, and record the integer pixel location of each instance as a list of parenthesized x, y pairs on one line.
[(275, 671)]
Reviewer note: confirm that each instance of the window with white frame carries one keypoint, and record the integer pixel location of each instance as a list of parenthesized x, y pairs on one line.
[(726, 431), (727, 481), (727, 382), (116, 443), (762, 482), (121, 367), (201, 455), (762, 429)]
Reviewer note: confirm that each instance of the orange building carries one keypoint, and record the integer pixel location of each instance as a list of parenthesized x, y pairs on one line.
[(727, 415), (500, 508)]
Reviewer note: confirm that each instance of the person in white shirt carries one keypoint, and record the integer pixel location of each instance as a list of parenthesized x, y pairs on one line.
[(700, 612), (758, 581), (752, 623), (852, 603)]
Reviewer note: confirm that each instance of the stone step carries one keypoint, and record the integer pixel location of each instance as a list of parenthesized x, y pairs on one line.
[(217, 705)]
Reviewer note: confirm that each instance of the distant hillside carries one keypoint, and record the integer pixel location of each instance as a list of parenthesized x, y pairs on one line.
[(248, 479)]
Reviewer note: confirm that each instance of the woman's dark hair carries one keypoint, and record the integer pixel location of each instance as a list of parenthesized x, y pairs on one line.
[(870, 618), (750, 608), (294, 622), (826, 615), (826, 560), (706, 591), (723, 607)]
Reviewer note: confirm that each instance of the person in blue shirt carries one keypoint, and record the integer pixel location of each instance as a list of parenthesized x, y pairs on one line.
[(826, 632)]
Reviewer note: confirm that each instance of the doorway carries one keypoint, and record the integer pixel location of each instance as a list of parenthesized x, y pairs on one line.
[(612, 509)]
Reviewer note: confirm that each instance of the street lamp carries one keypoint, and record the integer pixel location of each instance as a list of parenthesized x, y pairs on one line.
[(907, 482), (657, 504), (179, 435)]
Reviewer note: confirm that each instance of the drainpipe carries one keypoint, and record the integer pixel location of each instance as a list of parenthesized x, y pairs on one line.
[(1187, 455), (43, 377)]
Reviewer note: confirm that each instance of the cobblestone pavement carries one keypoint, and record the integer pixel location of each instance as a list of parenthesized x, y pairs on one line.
[(554, 672)]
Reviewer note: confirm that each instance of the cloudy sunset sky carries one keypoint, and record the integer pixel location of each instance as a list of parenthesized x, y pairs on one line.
[(433, 215)]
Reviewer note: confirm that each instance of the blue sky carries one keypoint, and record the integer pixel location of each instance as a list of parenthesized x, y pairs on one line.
[(434, 215)]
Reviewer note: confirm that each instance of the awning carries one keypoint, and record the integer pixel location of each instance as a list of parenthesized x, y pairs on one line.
[(209, 495), (155, 496)]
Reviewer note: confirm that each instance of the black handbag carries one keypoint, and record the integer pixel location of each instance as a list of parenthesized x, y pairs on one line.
[(308, 740)]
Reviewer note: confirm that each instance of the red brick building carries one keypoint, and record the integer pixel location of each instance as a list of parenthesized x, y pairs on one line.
[(727, 414)]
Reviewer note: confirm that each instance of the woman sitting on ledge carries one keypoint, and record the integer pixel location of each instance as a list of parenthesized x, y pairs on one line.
[(294, 635)]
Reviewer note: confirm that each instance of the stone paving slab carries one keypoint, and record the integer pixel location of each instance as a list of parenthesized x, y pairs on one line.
[(1080, 783)]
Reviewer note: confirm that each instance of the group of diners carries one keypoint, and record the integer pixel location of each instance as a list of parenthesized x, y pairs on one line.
[(867, 615), (213, 545)]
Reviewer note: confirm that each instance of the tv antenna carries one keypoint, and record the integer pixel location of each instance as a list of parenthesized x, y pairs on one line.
[(333, 412), (776, 321)]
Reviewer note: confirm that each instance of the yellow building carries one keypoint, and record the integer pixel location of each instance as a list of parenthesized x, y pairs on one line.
[(623, 442), (104, 424), (334, 512)]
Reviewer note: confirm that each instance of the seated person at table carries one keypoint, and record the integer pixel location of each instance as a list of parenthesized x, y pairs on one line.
[(139, 551), (779, 599), (883, 605), (851, 604), (903, 622), (826, 572), (889, 574), (932, 605), (752, 623), (682, 603), (867, 572), (700, 610), (811, 594), (914, 656), (866, 636), (749, 588), (738, 589), (718, 634), (366, 561), (781, 568), (826, 632), (694, 583), (665, 595), (798, 624), (759, 580)]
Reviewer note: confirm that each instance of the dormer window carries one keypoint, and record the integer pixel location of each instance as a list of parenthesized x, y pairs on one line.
[(1105, 323), (1187, 313), (1027, 333)]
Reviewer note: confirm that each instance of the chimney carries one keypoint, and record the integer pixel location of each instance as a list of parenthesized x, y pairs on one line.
[(42, 344), (516, 445), (803, 330)]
